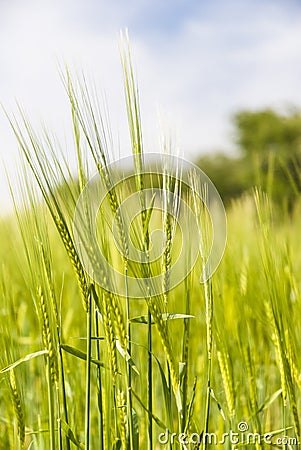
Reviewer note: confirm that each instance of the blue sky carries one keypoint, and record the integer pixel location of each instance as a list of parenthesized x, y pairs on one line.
[(197, 62)]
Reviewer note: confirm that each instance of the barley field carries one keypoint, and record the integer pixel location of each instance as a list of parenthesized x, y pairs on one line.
[(209, 362)]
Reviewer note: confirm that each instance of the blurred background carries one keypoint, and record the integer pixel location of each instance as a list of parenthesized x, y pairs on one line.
[(223, 78)]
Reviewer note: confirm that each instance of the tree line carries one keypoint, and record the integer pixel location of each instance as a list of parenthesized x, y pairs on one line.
[(268, 155)]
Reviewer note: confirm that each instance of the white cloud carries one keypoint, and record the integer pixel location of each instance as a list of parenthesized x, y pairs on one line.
[(216, 60)]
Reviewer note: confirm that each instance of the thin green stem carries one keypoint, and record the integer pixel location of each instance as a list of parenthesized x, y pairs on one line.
[(209, 317), (207, 405), (129, 369), (149, 356), (63, 387), (88, 377), (283, 418), (59, 428), (115, 411), (50, 406), (185, 355), (150, 381), (99, 385)]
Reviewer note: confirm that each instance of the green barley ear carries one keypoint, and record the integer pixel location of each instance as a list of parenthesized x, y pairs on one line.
[(275, 314), (46, 263), (75, 261), (227, 378), (108, 325), (18, 407), (121, 405), (287, 383), (113, 305), (133, 112), (118, 318), (50, 173), (10, 352), (49, 341), (88, 118), (243, 281), (170, 205), (291, 356)]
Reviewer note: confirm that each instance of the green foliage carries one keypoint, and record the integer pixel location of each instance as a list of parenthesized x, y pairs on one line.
[(231, 176), (266, 131), (269, 155)]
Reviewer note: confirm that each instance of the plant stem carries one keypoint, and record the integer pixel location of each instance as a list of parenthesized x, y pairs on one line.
[(283, 419), (185, 353), (99, 381), (209, 317), (88, 377), (50, 406), (62, 374), (150, 382), (149, 348), (129, 370), (207, 407)]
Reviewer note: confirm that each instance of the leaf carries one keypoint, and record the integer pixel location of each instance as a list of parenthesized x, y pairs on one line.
[(218, 404), (167, 394), (190, 406), (148, 216), (281, 430), (21, 360), (182, 370), (179, 401), (135, 430), (155, 418), (126, 356), (93, 338), (117, 444), (81, 355), (70, 435), (269, 401), (37, 432), (30, 445), (168, 316), (166, 390)]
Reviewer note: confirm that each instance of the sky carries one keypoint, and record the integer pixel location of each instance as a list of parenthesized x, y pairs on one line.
[(197, 63)]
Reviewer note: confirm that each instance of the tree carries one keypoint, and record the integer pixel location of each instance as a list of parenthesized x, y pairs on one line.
[(269, 155), (272, 142)]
